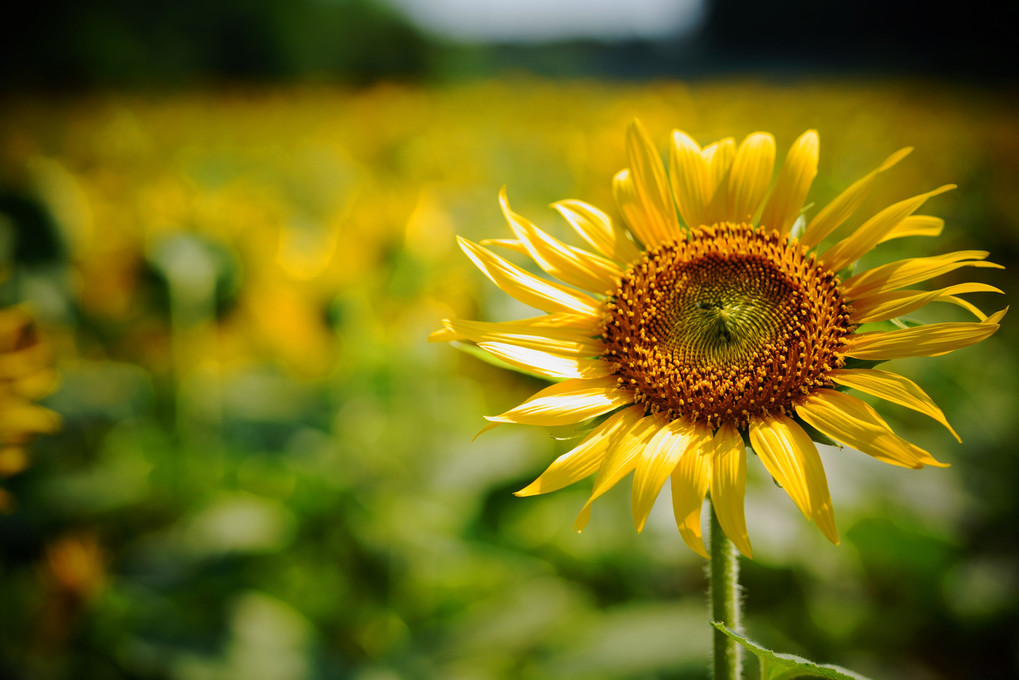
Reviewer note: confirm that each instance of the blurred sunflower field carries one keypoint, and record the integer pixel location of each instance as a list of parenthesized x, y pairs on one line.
[(262, 470)]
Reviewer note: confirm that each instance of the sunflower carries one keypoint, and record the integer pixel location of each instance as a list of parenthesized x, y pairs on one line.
[(26, 374), (710, 321)]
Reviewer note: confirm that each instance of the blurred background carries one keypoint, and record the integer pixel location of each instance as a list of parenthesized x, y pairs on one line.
[(226, 230)]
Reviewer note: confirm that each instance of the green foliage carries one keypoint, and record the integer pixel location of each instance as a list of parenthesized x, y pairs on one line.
[(778, 666)]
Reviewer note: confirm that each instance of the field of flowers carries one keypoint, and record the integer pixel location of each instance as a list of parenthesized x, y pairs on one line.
[(264, 471)]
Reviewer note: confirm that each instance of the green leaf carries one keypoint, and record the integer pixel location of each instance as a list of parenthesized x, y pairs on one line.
[(777, 666)]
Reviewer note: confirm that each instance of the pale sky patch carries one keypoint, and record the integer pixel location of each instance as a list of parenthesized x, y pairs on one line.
[(542, 20)]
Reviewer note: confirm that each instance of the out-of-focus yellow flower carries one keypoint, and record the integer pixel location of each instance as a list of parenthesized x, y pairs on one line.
[(75, 566), (712, 320), (26, 375), (73, 574)]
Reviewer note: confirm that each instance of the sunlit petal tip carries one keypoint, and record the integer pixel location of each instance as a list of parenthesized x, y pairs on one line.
[(742, 543), (681, 139), (508, 243), (997, 316), (694, 541), (442, 335), (487, 428), (895, 158), (583, 518)]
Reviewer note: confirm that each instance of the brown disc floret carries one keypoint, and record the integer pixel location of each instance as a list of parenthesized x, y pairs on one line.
[(728, 323)]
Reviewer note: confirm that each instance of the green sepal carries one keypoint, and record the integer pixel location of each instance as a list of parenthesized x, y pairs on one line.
[(578, 430), (852, 362), (778, 666), (479, 353), (815, 434), (896, 324)]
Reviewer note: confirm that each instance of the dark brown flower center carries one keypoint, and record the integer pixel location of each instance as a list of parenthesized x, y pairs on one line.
[(728, 323)]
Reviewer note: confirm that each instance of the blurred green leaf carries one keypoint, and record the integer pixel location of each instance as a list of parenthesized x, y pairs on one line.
[(779, 666)]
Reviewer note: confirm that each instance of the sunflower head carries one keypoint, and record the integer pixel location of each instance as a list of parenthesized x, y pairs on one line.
[(711, 318)]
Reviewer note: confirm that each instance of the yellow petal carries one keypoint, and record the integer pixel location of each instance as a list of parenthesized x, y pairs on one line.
[(750, 176), (688, 172), (846, 203), (923, 341), (728, 484), (508, 243), (22, 418), (891, 387), (854, 423), (870, 233), (24, 361), (656, 463), (597, 229), (562, 326), (791, 458), (562, 341), (575, 267), (690, 481), (529, 289), (884, 306), (585, 458), (901, 273), (968, 306), (916, 225), (794, 180), (652, 184), (621, 461), (640, 223), (567, 402), (546, 364), (719, 157)]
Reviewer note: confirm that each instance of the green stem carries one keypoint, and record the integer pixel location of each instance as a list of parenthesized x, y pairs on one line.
[(723, 589)]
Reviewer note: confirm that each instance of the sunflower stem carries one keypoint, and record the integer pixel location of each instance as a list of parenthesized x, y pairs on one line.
[(723, 590)]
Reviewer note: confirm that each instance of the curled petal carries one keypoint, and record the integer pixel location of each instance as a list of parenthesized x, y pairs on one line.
[(916, 225), (728, 484), (585, 458), (567, 402), (529, 289), (546, 364), (791, 458), (871, 232), (599, 231), (891, 387), (854, 423), (656, 463), (652, 185), (794, 180), (846, 203), (621, 461), (923, 341), (574, 266), (892, 304), (690, 481), (902, 273)]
